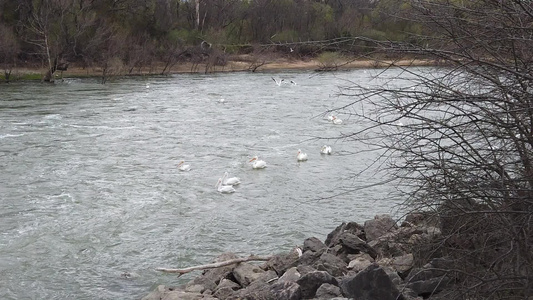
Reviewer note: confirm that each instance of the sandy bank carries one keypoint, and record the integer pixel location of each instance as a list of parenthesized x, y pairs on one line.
[(238, 64)]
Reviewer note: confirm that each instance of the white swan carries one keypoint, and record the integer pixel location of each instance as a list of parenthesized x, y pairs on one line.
[(336, 121), (331, 118), (325, 149), (278, 82), (183, 167), (257, 163), (231, 180), (225, 189), (301, 156)]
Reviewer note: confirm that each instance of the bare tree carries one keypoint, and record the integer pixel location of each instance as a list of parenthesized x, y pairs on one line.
[(459, 138), (106, 50), (9, 49)]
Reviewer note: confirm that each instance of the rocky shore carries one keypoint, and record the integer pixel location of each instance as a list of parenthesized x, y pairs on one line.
[(369, 261)]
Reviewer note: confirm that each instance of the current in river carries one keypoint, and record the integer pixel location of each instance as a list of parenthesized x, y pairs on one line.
[(92, 199)]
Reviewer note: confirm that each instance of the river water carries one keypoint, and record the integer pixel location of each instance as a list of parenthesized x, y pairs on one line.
[(90, 189)]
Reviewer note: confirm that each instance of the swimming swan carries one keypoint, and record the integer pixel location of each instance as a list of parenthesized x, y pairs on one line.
[(301, 156), (224, 189), (257, 163), (183, 167), (230, 181)]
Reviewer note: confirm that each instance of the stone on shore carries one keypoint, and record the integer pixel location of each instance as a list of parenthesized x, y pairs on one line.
[(367, 262)]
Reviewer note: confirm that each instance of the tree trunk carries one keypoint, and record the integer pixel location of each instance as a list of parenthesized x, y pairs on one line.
[(198, 14)]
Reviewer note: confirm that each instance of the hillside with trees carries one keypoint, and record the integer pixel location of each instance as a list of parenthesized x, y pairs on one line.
[(125, 35)]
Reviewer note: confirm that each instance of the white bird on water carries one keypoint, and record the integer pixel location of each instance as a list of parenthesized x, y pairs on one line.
[(183, 167), (325, 149), (301, 156), (224, 189), (257, 163), (336, 121), (230, 181), (278, 82), (331, 117)]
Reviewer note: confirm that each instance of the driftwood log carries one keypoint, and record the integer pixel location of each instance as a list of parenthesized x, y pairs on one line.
[(215, 265)]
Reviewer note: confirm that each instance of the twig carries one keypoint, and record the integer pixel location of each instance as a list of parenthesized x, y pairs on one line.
[(215, 265)]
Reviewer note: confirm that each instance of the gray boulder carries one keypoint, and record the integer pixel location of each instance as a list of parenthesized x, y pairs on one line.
[(328, 291), (291, 275), (313, 244), (280, 263), (225, 289), (245, 273), (379, 226), (310, 282), (165, 293), (286, 291), (352, 227), (331, 264), (353, 244), (370, 284)]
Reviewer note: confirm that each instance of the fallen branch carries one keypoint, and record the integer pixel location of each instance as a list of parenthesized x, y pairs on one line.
[(215, 265)]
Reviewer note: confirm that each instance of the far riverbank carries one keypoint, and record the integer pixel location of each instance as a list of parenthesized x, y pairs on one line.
[(238, 63)]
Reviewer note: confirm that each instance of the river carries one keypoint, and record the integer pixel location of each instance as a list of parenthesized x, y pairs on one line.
[(90, 187)]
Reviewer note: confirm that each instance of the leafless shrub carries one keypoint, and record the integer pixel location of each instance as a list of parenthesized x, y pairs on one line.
[(459, 138)]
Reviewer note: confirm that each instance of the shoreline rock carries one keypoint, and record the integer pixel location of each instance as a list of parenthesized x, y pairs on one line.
[(374, 261)]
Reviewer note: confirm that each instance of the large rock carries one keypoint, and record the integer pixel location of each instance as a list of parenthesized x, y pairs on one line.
[(352, 227), (353, 244), (210, 278), (403, 264), (370, 284), (313, 244), (280, 263), (286, 291), (359, 264), (257, 289), (331, 264), (308, 258), (218, 273), (310, 282), (225, 289), (328, 291), (165, 293), (431, 278), (379, 226), (291, 275), (245, 273)]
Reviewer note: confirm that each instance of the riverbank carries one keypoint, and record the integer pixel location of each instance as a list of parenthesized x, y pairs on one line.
[(379, 259), (238, 63)]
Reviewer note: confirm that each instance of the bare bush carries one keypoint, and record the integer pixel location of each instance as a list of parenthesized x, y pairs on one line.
[(459, 138)]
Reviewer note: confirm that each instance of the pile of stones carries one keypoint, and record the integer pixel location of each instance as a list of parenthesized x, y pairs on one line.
[(363, 262)]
